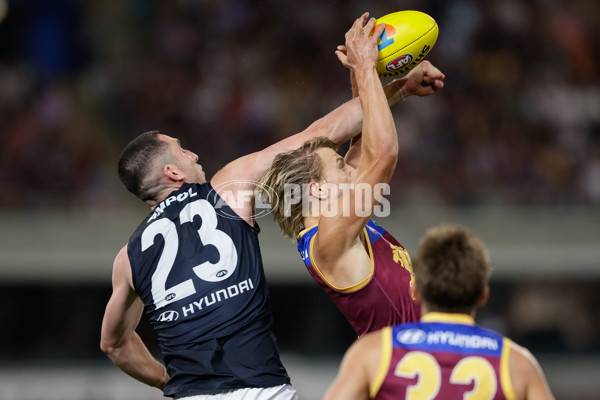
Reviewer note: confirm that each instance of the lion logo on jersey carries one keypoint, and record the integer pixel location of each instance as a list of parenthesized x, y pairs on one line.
[(401, 257)]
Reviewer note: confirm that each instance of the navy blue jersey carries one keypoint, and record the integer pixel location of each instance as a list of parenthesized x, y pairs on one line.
[(199, 272)]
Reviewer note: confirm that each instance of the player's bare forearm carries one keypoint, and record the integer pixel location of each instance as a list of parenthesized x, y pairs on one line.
[(124, 347), (360, 55), (379, 142), (133, 358), (340, 125), (379, 139)]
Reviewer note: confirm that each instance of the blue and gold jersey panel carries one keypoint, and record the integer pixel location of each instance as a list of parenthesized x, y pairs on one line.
[(505, 379), (304, 240), (375, 231), (458, 336)]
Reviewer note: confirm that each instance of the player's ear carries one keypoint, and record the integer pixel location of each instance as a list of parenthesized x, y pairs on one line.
[(173, 173), (414, 294), (484, 297), (317, 190)]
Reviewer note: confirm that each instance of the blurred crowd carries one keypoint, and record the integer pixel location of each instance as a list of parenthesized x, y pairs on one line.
[(518, 122)]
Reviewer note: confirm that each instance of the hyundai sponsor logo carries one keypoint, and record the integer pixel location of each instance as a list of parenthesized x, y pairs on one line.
[(411, 336), (168, 316)]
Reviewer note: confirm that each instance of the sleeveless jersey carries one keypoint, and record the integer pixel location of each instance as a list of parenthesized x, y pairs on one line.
[(197, 268), (384, 297), (445, 356)]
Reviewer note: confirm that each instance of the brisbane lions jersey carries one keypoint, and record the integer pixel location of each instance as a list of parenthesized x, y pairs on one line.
[(197, 268), (445, 356), (384, 297)]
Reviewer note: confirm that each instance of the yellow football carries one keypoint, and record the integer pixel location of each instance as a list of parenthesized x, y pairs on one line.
[(406, 40)]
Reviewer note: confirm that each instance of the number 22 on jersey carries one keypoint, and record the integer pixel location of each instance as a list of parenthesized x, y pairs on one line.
[(429, 376)]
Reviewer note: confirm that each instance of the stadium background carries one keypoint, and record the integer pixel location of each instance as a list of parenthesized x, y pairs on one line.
[(510, 148)]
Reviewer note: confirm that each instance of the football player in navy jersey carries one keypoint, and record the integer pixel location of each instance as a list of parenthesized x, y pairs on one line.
[(445, 355), (193, 266)]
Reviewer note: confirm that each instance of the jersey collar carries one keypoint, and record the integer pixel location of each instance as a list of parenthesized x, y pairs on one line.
[(448, 317)]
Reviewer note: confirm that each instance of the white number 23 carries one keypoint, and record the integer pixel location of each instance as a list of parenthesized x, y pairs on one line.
[(207, 271)]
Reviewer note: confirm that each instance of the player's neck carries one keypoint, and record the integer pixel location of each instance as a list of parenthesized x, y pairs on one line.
[(165, 191), (425, 310), (310, 221)]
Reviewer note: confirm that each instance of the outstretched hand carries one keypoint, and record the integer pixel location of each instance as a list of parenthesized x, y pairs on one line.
[(423, 80), (360, 50)]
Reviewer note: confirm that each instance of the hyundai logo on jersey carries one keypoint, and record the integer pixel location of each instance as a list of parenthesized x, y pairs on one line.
[(411, 336), (168, 316)]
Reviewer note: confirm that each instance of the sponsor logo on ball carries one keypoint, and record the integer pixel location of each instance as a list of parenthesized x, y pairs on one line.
[(387, 37), (399, 62)]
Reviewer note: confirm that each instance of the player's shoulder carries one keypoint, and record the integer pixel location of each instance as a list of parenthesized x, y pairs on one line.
[(521, 358), (122, 267), (370, 344), (122, 262), (526, 374), (122, 255)]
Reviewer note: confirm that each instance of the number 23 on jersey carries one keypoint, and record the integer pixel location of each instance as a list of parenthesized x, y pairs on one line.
[(207, 271)]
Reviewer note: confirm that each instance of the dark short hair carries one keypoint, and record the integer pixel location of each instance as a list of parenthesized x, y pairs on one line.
[(452, 269), (135, 162)]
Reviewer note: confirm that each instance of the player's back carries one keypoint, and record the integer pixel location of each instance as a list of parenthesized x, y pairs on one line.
[(198, 270), (445, 356)]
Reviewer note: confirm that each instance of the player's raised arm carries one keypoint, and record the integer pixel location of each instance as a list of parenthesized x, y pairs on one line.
[(423, 80), (339, 126), (379, 146)]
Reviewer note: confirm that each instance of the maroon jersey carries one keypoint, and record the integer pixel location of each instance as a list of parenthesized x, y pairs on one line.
[(384, 297), (445, 356)]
